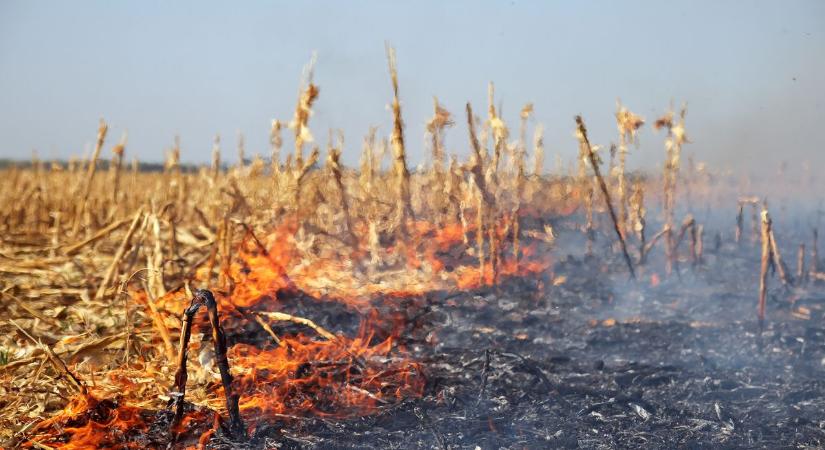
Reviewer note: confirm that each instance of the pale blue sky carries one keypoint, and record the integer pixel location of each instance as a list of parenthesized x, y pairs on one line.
[(752, 71)]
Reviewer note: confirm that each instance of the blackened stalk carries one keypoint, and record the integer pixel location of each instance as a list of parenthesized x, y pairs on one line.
[(740, 222), (204, 297), (236, 425), (606, 193), (176, 402)]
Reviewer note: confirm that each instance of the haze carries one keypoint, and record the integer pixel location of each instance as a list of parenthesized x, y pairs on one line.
[(751, 71)]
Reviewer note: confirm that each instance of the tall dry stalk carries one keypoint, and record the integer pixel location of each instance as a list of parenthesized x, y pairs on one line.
[(334, 167), (241, 151), (538, 151), (275, 142), (581, 133), (589, 228), (628, 125), (521, 148), (299, 174), (435, 128), (499, 132), (307, 94), (765, 262), (740, 222), (480, 234), (117, 164), (368, 163), (401, 173), (216, 157), (485, 200), (477, 160), (676, 137), (172, 172), (585, 187), (90, 175), (778, 262), (638, 214), (440, 120)]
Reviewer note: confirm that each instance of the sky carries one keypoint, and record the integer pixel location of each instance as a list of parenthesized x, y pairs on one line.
[(752, 73)]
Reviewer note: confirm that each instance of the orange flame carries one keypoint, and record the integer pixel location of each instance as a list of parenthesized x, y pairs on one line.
[(342, 377)]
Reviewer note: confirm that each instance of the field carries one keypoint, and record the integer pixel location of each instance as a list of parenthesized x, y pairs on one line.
[(291, 301)]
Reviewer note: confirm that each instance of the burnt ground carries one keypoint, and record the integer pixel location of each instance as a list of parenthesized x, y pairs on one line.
[(580, 358), (599, 362)]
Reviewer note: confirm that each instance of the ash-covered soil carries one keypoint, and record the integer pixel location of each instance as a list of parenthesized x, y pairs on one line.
[(591, 360)]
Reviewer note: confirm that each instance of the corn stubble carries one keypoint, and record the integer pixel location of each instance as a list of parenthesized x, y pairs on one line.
[(93, 260)]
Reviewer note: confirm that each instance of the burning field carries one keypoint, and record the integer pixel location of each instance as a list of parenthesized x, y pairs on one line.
[(480, 303)]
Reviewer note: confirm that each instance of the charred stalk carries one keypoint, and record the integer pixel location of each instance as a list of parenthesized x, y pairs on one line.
[(236, 425), (740, 221), (594, 162), (176, 402), (205, 298), (700, 244)]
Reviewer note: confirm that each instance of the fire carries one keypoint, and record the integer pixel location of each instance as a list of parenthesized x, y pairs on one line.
[(306, 373), (308, 376), (96, 424)]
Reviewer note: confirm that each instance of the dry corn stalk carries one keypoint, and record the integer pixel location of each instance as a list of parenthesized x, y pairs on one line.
[(307, 94), (763, 270), (676, 137), (477, 160), (401, 173), (688, 225), (276, 142), (334, 166), (538, 146), (581, 133), (628, 124), (480, 234), (638, 215), (499, 132), (90, 175), (241, 151), (216, 157), (299, 174), (435, 127), (778, 262), (117, 164)]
